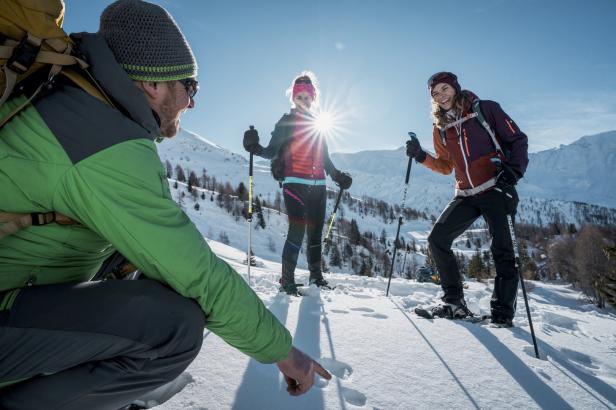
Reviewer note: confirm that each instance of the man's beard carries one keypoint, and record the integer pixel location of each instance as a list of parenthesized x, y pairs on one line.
[(169, 116)]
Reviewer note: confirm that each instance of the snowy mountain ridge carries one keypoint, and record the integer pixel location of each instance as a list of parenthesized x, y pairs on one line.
[(544, 193)]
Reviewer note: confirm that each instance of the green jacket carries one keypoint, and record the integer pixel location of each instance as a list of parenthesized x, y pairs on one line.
[(98, 165)]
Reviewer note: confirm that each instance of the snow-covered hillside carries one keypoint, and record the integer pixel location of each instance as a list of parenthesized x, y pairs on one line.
[(382, 356), (582, 171), (380, 174)]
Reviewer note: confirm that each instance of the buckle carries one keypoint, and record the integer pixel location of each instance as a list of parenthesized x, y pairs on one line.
[(24, 54), (39, 218)]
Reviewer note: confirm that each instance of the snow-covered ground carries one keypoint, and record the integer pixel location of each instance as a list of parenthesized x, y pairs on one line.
[(382, 355)]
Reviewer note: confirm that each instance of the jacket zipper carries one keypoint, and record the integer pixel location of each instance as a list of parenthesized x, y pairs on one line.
[(468, 152), (468, 175)]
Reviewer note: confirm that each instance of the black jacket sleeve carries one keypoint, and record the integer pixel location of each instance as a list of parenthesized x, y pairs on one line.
[(279, 136), (330, 169), (511, 137)]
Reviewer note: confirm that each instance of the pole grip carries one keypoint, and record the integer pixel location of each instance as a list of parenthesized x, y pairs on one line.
[(408, 168)]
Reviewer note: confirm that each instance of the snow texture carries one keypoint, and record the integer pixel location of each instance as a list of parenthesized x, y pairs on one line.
[(382, 355)]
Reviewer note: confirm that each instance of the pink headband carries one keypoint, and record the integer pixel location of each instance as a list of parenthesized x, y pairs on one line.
[(298, 88)]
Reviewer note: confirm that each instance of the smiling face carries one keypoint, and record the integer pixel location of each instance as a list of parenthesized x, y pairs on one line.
[(303, 101), (443, 94)]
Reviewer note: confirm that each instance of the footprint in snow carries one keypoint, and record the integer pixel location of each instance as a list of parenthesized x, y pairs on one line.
[(353, 396), (376, 315), (544, 374), (553, 321), (579, 358), (339, 369), (361, 296), (362, 309), (339, 311)]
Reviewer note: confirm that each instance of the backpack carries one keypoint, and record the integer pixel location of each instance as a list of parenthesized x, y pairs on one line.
[(476, 113), (34, 49), (34, 46)]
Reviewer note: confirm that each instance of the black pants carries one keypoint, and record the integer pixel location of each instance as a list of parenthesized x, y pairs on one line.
[(306, 210), (94, 345), (459, 214)]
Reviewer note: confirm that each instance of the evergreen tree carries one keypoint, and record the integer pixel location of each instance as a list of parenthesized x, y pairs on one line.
[(193, 181), (241, 191), (259, 212), (334, 256), (354, 235), (169, 168), (179, 173), (607, 286), (476, 267)]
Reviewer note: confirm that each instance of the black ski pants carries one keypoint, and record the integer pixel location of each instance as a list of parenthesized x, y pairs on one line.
[(94, 345), (459, 214), (306, 211)]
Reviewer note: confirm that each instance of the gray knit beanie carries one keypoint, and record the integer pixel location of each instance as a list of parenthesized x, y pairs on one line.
[(146, 41)]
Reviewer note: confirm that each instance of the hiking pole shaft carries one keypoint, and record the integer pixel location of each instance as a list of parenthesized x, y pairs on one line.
[(248, 254), (406, 187), (331, 219), (517, 267)]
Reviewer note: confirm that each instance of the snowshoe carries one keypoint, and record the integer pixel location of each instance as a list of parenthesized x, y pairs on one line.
[(291, 289), (446, 310), (321, 283), (496, 321)]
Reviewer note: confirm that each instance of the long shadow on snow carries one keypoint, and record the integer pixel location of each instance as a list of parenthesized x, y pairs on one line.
[(307, 339), (333, 352), (470, 398), (539, 391), (261, 386), (561, 358)]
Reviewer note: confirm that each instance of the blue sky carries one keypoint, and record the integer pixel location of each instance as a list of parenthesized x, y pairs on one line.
[(550, 64)]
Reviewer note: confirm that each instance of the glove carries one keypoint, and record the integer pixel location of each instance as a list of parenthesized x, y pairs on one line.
[(505, 184), (251, 141), (413, 150), (506, 178), (343, 179)]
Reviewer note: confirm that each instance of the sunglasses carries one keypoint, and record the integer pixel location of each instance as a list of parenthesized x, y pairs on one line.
[(191, 85), (440, 76)]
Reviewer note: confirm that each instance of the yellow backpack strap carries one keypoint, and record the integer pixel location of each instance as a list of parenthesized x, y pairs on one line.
[(91, 87), (14, 222), (20, 56)]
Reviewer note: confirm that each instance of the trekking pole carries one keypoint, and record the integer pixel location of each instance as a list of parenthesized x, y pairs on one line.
[(499, 165), (331, 219), (249, 252), (406, 187), (517, 267)]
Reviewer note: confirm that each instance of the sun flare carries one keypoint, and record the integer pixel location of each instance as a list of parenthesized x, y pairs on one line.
[(324, 122)]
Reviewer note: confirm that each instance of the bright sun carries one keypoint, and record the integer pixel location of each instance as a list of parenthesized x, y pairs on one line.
[(324, 122)]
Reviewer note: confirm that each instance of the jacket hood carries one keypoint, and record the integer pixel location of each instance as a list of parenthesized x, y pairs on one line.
[(115, 81)]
